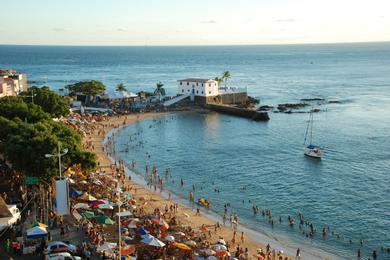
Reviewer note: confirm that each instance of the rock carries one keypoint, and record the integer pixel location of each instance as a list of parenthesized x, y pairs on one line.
[(312, 99), (265, 108), (334, 102)]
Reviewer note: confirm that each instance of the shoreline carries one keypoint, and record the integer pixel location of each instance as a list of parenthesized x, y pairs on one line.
[(254, 238)]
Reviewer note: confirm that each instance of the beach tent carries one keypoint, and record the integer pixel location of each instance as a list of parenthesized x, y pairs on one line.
[(36, 232), (152, 241), (104, 220)]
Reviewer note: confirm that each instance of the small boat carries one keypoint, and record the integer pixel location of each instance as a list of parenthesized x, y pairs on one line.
[(203, 202), (311, 150)]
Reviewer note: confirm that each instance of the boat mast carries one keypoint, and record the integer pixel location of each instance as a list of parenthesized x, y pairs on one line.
[(311, 126)]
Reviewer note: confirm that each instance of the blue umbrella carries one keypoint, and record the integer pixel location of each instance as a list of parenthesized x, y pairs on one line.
[(142, 231), (123, 230)]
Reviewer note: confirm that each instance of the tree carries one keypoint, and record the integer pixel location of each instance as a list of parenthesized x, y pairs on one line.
[(15, 107), (121, 87), (225, 77), (48, 100), (160, 91), (90, 88), (219, 80), (24, 146)]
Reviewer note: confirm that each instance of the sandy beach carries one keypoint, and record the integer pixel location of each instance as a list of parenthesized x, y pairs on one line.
[(252, 240)]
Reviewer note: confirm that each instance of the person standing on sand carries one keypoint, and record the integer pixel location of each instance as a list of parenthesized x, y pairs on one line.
[(298, 255), (242, 237)]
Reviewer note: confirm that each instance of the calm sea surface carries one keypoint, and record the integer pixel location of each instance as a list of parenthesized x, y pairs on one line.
[(349, 190)]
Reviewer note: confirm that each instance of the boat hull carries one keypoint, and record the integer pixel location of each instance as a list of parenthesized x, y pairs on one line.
[(313, 152)]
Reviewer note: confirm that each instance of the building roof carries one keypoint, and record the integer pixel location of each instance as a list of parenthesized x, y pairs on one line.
[(196, 80), (4, 211)]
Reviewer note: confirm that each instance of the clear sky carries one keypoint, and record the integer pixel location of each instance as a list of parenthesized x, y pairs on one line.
[(192, 22)]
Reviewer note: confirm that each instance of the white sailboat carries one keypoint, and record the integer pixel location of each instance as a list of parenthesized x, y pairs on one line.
[(311, 150)]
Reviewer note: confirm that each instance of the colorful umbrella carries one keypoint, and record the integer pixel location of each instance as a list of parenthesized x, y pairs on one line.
[(182, 246), (104, 220), (88, 214), (38, 224)]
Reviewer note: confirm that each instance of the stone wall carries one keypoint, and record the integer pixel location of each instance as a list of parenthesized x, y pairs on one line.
[(225, 99)]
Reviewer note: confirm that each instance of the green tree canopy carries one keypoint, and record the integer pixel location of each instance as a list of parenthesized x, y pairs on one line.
[(88, 87), (15, 107), (25, 145), (49, 101), (121, 87), (160, 91)]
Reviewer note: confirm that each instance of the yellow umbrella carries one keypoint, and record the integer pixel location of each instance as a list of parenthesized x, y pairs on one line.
[(182, 246)]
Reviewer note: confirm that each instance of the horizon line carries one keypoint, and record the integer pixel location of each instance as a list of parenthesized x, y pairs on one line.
[(195, 45)]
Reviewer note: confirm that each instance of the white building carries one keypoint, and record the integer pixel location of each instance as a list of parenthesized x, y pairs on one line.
[(12, 83), (198, 87)]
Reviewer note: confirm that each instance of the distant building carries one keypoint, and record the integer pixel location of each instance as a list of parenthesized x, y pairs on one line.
[(198, 87), (12, 83), (205, 91)]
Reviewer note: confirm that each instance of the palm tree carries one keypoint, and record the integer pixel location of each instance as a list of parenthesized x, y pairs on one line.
[(219, 80), (121, 87), (225, 77), (160, 91)]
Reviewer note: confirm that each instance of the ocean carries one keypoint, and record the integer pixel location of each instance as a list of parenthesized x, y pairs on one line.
[(250, 162)]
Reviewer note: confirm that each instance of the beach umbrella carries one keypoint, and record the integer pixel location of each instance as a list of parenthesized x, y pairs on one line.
[(105, 206), (221, 241), (104, 220), (142, 231), (132, 224), (123, 230), (208, 251), (81, 206), (96, 203), (38, 224), (152, 241), (222, 253), (88, 214), (88, 197), (182, 246), (155, 221), (106, 247), (212, 258), (163, 225), (127, 250), (170, 238), (83, 182), (180, 234), (75, 193), (36, 232), (190, 243), (219, 247)]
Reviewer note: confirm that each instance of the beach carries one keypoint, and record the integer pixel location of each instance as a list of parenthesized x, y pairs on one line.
[(186, 215)]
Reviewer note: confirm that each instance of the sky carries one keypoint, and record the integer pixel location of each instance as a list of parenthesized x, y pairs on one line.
[(193, 22)]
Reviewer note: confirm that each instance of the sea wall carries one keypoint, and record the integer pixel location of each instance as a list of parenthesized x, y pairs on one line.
[(241, 112), (223, 99)]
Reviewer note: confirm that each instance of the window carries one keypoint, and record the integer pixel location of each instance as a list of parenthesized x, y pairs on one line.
[(188, 83), (188, 90), (202, 91), (209, 85), (202, 84), (196, 92), (181, 83), (209, 92), (182, 90), (197, 83)]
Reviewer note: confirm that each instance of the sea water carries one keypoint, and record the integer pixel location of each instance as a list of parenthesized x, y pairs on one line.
[(348, 190)]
